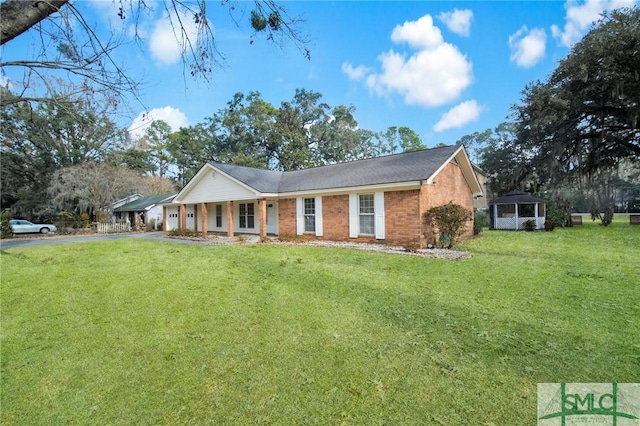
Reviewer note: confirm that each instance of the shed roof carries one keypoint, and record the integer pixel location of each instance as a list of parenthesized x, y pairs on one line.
[(517, 197), (404, 167)]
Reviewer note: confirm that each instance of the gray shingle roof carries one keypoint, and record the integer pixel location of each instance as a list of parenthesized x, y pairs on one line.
[(405, 167), (517, 197), (262, 180)]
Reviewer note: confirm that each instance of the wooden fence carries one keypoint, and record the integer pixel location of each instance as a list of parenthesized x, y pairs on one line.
[(111, 228)]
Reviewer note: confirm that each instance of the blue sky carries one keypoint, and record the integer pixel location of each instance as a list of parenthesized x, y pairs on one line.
[(444, 69)]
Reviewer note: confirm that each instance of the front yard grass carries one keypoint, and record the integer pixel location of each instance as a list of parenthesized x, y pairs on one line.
[(147, 333)]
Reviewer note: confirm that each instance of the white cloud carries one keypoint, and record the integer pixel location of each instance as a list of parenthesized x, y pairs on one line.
[(458, 21), (107, 9), (434, 75), (527, 47), (420, 34), (111, 15), (459, 115), (170, 115), (167, 44), (356, 73), (580, 16)]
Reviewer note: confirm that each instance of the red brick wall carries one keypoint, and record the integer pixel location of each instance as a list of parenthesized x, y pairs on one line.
[(450, 185), (287, 217), (403, 211), (402, 218), (335, 217)]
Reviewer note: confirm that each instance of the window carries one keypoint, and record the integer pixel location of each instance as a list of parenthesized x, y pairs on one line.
[(219, 216), (366, 215), (366, 211), (247, 215), (506, 210), (309, 215), (526, 210)]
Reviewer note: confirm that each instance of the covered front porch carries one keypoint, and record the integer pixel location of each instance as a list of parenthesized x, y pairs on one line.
[(229, 217)]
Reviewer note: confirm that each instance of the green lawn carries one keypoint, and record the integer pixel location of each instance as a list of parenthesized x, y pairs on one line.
[(147, 333)]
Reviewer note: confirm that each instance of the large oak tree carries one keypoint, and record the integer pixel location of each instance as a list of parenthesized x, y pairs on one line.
[(586, 116)]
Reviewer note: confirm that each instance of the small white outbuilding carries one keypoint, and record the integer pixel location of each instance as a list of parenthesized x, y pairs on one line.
[(512, 210)]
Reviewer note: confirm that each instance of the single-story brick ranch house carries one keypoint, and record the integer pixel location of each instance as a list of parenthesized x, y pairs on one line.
[(380, 199)]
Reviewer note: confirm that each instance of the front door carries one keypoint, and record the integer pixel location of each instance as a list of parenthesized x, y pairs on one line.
[(190, 217)]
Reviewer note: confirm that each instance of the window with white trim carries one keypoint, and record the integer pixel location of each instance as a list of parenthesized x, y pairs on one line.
[(366, 213), (247, 215), (218, 215), (309, 215)]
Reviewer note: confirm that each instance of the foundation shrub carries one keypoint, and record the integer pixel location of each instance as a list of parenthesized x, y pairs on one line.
[(5, 228), (450, 220)]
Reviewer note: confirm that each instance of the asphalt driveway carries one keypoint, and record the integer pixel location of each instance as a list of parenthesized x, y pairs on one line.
[(38, 240)]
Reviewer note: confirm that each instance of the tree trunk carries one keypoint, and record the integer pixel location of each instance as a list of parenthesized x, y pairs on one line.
[(20, 15)]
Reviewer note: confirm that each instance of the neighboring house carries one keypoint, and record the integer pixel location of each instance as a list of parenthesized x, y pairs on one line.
[(480, 201), (124, 201), (150, 207), (379, 199)]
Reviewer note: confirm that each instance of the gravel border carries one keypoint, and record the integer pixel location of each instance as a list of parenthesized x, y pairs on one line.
[(382, 248), (433, 253), (379, 248)]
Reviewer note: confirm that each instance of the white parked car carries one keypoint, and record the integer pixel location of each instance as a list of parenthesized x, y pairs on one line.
[(25, 227)]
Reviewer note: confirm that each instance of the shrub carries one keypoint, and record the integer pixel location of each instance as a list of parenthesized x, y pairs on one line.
[(480, 220), (85, 220), (549, 225), (102, 217), (138, 222), (607, 218), (292, 238), (450, 220), (529, 225), (154, 225), (559, 212), (5, 227), (183, 233), (66, 221)]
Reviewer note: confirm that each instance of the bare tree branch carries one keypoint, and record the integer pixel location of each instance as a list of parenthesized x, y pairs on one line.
[(70, 50)]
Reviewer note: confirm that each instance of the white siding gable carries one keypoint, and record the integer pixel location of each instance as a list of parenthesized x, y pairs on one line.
[(213, 186)]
